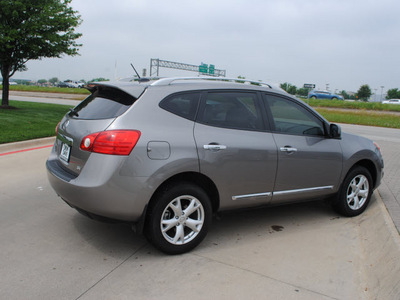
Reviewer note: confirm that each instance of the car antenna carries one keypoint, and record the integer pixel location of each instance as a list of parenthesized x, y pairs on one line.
[(135, 71), (140, 79)]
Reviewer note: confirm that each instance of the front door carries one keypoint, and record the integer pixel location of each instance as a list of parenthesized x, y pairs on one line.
[(234, 149), (309, 163)]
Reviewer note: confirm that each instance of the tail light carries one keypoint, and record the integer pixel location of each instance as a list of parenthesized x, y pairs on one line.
[(57, 127), (114, 142)]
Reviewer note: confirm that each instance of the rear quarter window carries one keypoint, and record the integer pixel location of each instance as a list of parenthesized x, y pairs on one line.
[(183, 104), (104, 103)]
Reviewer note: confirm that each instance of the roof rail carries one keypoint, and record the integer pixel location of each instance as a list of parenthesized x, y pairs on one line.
[(168, 81)]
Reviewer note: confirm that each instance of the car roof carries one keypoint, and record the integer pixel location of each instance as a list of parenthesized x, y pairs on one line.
[(136, 87)]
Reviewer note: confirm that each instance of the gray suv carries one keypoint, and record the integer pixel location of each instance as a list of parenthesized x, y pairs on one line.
[(167, 154)]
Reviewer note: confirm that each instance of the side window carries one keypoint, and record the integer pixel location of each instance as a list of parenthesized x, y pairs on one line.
[(232, 110), (289, 117), (184, 105)]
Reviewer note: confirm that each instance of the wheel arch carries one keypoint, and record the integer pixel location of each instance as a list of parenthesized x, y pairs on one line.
[(370, 166), (191, 177)]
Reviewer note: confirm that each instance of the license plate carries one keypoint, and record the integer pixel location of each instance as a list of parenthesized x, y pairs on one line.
[(65, 152)]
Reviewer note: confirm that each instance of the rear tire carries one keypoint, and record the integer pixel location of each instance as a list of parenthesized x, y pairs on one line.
[(179, 218), (355, 193)]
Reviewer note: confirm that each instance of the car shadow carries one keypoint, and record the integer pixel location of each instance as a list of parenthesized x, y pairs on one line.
[(115, 239), (119, 240), (264, 222)]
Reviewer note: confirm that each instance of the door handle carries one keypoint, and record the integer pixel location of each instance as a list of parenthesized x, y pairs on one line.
[(214, 147), (288, 149)]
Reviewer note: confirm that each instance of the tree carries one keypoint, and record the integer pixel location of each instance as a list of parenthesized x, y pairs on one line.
[(393, 94), (302, 92), (290, 88), (53, 80), (34, 29), (241, 77), (344, 94), (42, 81), (364, 92)]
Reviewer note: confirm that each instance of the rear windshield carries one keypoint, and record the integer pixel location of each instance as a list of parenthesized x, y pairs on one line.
[(104, 103)]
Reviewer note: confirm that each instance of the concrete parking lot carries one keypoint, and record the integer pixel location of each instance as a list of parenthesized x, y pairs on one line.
[(302, 251)]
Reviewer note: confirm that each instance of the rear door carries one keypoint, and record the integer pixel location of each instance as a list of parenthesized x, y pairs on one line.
[(309, 163), (234, 149)]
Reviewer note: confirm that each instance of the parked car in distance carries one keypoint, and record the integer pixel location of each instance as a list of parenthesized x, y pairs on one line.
[(71, 84), (80, 84), (391, 101), (167, 154), (314, 94), (62, 84)]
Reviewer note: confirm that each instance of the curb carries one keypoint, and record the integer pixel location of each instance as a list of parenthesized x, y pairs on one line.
[(380, 242), (26, 144), (391, 205)]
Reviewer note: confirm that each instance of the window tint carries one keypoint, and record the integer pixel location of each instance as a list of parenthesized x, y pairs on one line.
[(104, 103), (290, 117), (184, 105), (233, 110)]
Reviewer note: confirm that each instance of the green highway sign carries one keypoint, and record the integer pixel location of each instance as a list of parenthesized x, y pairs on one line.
[(203, 68), (211, 70)]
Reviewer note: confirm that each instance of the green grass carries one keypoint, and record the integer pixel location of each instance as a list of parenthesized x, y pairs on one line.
[(361, 117), (29, 120), (32, 88), (353, 105)]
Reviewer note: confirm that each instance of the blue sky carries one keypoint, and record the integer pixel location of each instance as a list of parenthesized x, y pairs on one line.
[(341, 43)]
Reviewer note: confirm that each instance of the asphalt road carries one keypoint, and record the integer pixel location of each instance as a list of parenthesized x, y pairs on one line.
[(56, 98), (304, 251)]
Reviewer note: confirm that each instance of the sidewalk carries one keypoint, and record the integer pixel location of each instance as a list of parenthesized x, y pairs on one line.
[(24, 145)]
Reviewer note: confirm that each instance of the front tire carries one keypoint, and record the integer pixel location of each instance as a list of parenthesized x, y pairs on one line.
[(179, 218), (355, 193)]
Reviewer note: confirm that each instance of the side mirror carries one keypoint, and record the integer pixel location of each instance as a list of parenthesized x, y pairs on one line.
[(335, 131)]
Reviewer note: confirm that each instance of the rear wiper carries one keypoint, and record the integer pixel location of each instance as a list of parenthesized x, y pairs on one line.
[(73, 112)]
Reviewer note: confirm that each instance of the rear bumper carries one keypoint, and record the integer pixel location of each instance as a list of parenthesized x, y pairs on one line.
[(108, 195)]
